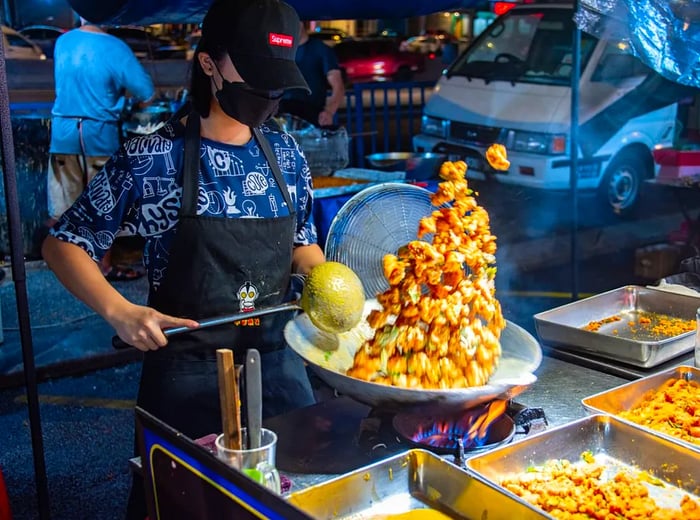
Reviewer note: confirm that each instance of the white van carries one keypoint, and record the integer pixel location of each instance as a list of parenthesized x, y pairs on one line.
[(512, 86), (19, 47)]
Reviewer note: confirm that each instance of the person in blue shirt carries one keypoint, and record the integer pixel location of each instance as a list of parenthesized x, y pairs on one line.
[(319, 65), (93, 70), (224, 202)]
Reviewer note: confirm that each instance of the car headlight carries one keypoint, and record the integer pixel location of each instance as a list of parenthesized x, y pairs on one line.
[(435, 126), (536, 142)]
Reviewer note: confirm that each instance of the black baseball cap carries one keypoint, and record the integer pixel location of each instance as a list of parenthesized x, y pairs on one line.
[(261, 37)]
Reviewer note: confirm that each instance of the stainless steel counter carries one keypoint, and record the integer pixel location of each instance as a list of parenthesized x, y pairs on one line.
[(320, 442), (560, 387)]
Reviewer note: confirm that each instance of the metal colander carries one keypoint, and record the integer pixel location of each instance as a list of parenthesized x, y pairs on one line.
[(376, 221)]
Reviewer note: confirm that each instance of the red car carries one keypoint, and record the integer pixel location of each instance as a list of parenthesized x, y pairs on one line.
[(376, 60)]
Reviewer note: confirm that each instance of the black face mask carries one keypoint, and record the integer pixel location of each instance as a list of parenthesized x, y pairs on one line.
[(250, 106)]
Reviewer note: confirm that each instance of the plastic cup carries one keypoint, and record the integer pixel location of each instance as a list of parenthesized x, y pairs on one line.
[(258, 464)]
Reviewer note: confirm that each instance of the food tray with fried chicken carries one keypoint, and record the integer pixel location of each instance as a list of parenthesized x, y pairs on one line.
[(597, 467), (636, 325), (665, 404)]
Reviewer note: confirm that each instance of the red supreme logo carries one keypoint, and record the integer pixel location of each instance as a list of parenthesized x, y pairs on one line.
[(281, 40)]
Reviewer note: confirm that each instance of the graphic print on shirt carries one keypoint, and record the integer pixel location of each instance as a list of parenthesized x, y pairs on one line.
[(307, 236), (141, 164), (153, 186), (101, 196), (214, 200), (68, 233), (157, 255), (152, 144), (273, 204), (292, 189), (287, 155), (256, 183), (230, 199), (160, 215), (152, 164), (223, 164), (250, 210), (103, 239), (247, 294)]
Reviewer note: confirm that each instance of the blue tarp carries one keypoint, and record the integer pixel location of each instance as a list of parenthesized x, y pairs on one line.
[(146, 12), (664, 34)]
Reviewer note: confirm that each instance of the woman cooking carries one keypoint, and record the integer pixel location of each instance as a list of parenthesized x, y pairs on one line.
[(224, 203)]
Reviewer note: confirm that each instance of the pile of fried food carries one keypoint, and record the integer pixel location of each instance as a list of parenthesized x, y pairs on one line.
[(439, 324), (673, 409), (586, 490)]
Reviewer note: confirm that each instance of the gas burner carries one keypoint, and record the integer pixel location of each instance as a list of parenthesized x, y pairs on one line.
[(383, 432), (476, 429), (529, 420)]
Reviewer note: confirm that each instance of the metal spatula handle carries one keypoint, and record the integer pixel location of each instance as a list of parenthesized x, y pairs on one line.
[(222, 320), (118, 343)]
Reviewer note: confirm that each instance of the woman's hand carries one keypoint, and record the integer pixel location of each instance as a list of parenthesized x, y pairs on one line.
[(142, 327)]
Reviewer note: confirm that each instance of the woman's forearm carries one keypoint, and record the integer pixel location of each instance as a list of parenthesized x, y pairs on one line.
[(306, 257)]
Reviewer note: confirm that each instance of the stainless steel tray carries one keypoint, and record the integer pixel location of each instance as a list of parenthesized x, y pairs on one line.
[(562, 327), (614, 443), (625, 397), (416, 479)]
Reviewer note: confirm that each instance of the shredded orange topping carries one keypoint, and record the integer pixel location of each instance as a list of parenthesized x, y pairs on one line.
[(673, 409), (440, 323), (654, 324), (583, 491), (593, 326), (668, 326)]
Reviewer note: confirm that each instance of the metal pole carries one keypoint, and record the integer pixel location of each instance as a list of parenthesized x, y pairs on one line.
[(9, 8), (19, 278), (573, 151)]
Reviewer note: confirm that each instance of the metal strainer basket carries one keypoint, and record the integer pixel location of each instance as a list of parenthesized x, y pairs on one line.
[(376, 221)]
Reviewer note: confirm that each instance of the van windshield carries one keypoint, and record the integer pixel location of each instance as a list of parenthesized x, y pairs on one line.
[(529, 45)]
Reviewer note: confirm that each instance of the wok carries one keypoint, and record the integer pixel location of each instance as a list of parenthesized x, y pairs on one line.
[(521, 355)]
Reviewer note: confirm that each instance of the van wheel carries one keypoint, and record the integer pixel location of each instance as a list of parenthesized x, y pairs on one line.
[(622, 183)]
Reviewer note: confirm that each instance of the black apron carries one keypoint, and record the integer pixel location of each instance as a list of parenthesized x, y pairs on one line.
[(219, 266)]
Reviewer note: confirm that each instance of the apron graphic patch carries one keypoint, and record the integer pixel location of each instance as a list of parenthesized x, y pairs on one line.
[(247, 294)]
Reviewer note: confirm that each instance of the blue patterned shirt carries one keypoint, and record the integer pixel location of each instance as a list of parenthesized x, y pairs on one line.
[(139, 191)]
